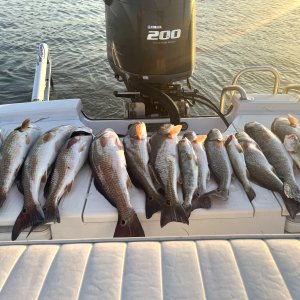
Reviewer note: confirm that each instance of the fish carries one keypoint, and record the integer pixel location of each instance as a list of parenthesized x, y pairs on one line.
[(189, 171), (237, 158), (288, 131), (262, 172), (203, 169), (283, 126), (136, 148), (108, 163), (277, 156), (34, 172), (69, 161), (14, 151), (219, 165), (292, 145), (165, 165)]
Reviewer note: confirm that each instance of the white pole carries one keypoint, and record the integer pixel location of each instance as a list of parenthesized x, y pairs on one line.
[(39, 85)]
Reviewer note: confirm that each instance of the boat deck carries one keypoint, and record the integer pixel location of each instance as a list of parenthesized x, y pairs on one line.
[(87, 214)]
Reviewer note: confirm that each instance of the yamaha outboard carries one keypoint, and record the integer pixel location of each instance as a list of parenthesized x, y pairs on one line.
[(150, 47)]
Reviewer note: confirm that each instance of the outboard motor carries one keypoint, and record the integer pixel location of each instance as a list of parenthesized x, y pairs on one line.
[(151, 45)]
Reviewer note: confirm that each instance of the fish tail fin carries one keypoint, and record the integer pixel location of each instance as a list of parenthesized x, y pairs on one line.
[(291, 190), (51, 213), (187, 208), (28, 217), (200, 201), (152, 206), (291, 205), (216, 194), (173, 213), (250, 192), (129, 228)]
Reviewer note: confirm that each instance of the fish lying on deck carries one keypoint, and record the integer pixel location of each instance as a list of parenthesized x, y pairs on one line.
[(219, 164), (137, 158), (236, 155), (203, 169), (35, 171), (189, 173), (108, 163), (164, 161), (14, 151), (69, 161), (277, 156), (288, 131), (262, 172)]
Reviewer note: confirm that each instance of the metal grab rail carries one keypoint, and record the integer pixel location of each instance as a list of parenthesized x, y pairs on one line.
[(42, 77), (286, 89), (260, 69), (231, 88)]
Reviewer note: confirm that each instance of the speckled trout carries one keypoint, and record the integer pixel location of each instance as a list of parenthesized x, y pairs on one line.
[(219, 164), (288, 131), (277, 156), (203, 169), (236, 156), (189, 173), (164, 161), (137, 158), (262, 172), (108, 163)]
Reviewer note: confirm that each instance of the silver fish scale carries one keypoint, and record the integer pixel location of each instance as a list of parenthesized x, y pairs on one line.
[(203, 170), (189, 170), (219, 163), (137, 159), (167, 167), (40, 158), (259, 167), (68, 163), (273, 149), (113, 176), (238, 161)]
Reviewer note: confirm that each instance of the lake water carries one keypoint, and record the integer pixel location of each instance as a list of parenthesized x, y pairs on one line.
[(230, 36)]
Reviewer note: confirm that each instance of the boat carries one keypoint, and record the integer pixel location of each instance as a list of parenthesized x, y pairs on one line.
[(236, 249)]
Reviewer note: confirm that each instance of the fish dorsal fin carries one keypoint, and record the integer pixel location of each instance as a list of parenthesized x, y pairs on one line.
[(293, 120), (200, 139), (174, 131), (25, 125)]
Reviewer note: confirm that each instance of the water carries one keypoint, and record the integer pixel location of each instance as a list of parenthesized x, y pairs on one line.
[(230, 35)]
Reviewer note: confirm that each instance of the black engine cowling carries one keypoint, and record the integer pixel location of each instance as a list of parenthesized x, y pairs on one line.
[(151, 40)]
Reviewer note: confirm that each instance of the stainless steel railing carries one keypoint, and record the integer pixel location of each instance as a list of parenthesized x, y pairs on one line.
[(230, 88), (42, 77), (260, 69)]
